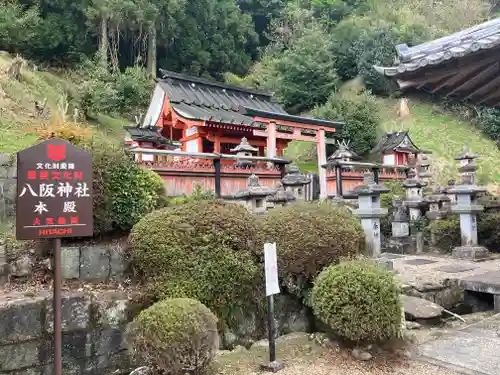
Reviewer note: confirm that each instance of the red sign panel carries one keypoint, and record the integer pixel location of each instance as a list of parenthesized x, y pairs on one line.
[(54, 191)]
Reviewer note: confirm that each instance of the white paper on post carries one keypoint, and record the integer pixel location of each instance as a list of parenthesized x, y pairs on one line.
[(271, 269)]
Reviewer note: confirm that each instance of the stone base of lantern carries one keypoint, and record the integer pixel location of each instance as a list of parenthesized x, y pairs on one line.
[(470, 252), (401, 245)]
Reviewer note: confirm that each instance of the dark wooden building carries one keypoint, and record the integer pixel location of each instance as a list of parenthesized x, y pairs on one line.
[(465, 65)]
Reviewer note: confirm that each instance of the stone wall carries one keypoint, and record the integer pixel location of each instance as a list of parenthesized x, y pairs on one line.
[(8, 185), (97, 262), (93, 333)]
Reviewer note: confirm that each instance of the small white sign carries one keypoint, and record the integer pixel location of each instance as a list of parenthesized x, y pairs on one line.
[(271, 269)]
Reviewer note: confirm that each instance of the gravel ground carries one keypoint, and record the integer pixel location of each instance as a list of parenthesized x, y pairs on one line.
[(412, 368), (303, 356)]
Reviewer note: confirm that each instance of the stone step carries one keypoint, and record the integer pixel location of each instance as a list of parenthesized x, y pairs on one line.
[(488, 282)]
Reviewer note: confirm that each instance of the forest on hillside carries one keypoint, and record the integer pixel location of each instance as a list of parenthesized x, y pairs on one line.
[(316, 56)]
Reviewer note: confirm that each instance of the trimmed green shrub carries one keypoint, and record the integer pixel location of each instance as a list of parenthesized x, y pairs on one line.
[(174, 336), (309, 237), (359, 301), (200, 249), (445, 234), (123, 191)]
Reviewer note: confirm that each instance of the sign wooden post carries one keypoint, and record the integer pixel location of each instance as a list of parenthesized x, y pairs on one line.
[(272, 288), (54, 200)]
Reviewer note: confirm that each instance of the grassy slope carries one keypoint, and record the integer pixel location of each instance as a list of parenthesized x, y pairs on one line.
[(17, 122), (432, 130), (444, 136)]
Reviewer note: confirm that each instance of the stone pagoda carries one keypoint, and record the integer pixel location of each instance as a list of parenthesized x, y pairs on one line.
[(369, 210), (295, 182), (414, 199), (254, 196), (244, 149), (400, 241), (281, 197), (466, 206)]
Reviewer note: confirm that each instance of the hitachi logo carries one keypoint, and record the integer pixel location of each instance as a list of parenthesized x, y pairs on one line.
[(55, 231)]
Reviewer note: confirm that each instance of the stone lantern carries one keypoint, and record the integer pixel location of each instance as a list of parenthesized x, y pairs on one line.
[(414, 195), (281, 197), (242, 150), (254, 196), (423, 168), (369, 210), (295, 182), (468, 166), (467, 207), (437, 206)]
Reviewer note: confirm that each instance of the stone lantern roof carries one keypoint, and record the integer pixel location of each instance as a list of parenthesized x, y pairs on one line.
[(466, 154), (281, 195), (412, 182), (343, 153), (369, 187), (244, 146), (254, 190), (293, 177)]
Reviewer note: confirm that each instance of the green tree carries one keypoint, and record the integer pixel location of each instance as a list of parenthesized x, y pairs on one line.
[(214, 38), (360, 113), (18, 26)]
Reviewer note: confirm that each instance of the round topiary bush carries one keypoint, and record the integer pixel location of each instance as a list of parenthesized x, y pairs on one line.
[(309, 237), (123, 191), (359, 301), (174, 336), (201, 249)]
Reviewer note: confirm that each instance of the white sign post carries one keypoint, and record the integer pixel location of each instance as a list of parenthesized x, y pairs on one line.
[(272, 288), (271, 268)]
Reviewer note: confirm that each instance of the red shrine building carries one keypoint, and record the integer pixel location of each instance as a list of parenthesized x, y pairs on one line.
[(207, 116), (396, 149), (203, 116)]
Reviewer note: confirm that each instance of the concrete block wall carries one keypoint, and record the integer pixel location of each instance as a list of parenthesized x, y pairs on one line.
[(93, 333)]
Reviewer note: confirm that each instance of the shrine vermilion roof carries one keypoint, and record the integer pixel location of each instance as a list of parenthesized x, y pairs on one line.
[(199, 99), (464, 64)]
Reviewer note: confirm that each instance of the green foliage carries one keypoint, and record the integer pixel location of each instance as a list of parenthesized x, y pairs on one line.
[(445, 234), (360, 113), (304, 74), (200, 249), (198, 195), (114, 92), (309, 237), (123, 192), (174, 336), (17, 26), (359, 301), (489, 122)]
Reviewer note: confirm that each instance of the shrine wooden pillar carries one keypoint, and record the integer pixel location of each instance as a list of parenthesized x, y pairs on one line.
[(271, 139), (321, 145)]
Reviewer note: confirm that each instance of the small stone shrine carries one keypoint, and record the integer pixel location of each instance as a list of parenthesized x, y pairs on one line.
[(254, 196), (467, 207), (400, 241), (281, 197), (242, 150), (342, 154), (437, 206), (369, 210), (414, 196), (295, 182)]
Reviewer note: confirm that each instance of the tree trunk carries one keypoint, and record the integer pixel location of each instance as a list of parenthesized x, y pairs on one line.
[(152, 52), (104, 43)]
